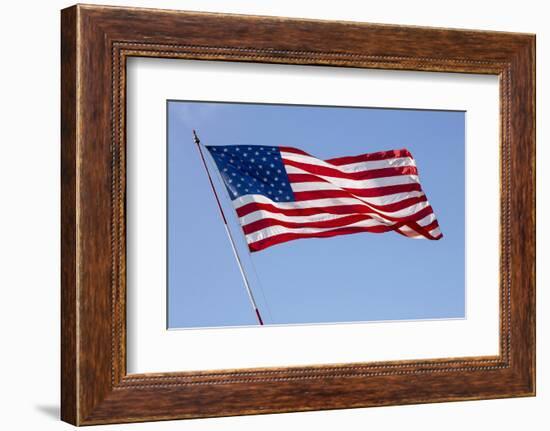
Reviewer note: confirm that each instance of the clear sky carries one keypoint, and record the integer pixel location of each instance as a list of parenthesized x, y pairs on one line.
[(360, 277)]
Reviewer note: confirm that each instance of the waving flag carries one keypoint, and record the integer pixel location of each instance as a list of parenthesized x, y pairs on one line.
[(282, 194)]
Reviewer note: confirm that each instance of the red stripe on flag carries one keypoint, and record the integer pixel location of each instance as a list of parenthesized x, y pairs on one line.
[(337, 209), (361, 175), (381, 155), (293, 150), (431, 226), (424, 230), (269, 222), (372, 192), (328, 194), (278, 239)]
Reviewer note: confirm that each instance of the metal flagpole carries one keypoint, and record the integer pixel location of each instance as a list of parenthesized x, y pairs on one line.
[(228, 231)]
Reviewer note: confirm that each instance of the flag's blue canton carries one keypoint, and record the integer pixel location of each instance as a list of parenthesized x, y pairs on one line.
[(252, 169)]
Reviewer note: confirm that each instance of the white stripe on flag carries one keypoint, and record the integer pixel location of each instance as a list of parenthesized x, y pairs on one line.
[(359, 184), (277, 230), (317, 203), (352, 167)]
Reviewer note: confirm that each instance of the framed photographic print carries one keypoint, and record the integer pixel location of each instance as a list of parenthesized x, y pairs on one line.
[(316, 215)]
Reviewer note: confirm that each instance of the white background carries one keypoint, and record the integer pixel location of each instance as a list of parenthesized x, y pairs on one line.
[(29, 220), (151, 348)]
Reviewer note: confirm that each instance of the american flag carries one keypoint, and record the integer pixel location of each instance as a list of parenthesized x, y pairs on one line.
[(283, 193)]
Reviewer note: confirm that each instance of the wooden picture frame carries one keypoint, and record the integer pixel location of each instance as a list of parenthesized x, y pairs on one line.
[(95, 43)]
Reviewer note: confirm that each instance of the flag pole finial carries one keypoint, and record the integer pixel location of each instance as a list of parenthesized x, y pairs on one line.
[(195, 137)]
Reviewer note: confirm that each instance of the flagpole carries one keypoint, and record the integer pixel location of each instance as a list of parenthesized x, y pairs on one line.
[(228, 231)]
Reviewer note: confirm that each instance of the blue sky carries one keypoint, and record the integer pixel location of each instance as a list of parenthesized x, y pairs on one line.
[(361, 277)]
